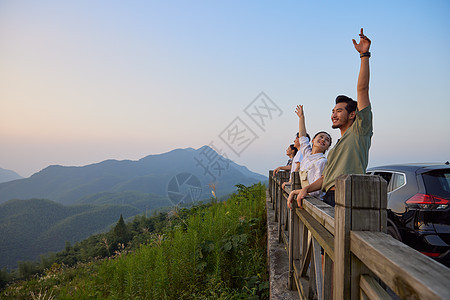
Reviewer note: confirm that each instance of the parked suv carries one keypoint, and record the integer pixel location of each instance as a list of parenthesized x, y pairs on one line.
[(419, 206)]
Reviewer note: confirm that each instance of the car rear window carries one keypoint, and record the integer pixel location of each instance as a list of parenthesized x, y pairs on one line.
[(437, 183), (399, 180)]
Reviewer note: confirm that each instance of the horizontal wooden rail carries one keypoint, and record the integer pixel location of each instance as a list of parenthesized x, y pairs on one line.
[(320, 211), (323, 236), (371, 288), (410, 274)]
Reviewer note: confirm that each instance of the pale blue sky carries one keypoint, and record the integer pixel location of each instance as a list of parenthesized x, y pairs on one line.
[(85, 81)]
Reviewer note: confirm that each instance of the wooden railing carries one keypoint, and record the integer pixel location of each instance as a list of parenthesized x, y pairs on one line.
[(343, 252)]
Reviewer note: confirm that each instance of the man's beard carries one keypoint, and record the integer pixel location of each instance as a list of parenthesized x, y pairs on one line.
[(339, 125)]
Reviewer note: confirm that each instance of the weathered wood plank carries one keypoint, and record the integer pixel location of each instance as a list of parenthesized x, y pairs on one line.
[(341, 289), (270, 184), (361, 197), (276, 196), (356, 271), (327, 277), (363, 295), (323, 236), (295, 236), (366, 206), (279, 212), (372, 288), (317, 261), (304, 239), (292, 240), (285, 239), (312, 276), (286, 215), (360, 205), (306, 259), (407, 272), (321, 211), (301, 283), (296, 184)]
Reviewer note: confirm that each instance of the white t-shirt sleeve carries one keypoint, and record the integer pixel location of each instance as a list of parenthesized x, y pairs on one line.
[(305, 147), (297, 159), (317, 171)]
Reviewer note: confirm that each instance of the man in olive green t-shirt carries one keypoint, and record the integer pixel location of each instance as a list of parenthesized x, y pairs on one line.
[(354, 119)]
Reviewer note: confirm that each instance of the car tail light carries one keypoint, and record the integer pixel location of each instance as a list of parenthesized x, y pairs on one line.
[(431, 254), (425, 201)]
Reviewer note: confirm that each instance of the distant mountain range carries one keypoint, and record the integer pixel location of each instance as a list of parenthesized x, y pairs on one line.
[(58, 204), (8, 175), (151, 174)]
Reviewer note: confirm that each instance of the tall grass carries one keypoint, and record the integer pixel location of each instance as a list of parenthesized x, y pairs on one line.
[(219, 251)]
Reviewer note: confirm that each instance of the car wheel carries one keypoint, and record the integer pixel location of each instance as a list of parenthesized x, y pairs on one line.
[(392, 231)]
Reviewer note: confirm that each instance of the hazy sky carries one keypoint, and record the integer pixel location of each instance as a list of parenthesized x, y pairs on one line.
[(85, 81)]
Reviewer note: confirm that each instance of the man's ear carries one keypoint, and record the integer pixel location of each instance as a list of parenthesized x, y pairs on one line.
[(352, 115)]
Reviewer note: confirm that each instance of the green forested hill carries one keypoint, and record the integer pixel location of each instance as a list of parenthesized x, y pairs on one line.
[(142, 201), (212, 251), (32, 227)]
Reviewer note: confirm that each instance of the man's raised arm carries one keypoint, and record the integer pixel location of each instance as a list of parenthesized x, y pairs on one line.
[(364, 71)]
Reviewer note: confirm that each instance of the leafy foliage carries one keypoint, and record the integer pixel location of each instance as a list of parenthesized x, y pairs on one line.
[(216, 250)]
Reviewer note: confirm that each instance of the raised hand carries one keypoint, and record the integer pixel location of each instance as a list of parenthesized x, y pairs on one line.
[(364, 43), (299, 111)]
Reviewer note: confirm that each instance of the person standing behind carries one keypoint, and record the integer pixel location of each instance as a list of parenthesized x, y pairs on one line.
[(350, 155), (291, 152), (294, 165), (314, 159)]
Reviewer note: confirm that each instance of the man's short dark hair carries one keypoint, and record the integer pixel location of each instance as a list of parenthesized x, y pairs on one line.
[(293, 149), (351, 104)]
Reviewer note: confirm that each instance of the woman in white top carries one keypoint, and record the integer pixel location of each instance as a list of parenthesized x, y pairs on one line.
[(314, 159)]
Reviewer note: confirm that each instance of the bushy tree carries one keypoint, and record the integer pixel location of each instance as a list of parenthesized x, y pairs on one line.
[(121, 233), (27, 268), (47, 260), (5, 277)]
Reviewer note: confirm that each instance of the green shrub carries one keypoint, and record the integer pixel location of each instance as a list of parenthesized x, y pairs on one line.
[(211, 251)]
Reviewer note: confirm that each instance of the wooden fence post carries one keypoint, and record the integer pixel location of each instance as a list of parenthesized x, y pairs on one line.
[(360, 205), (293, 245), (276, 193), (270, 186), (293, 230), (280, 209), (296, 183)]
